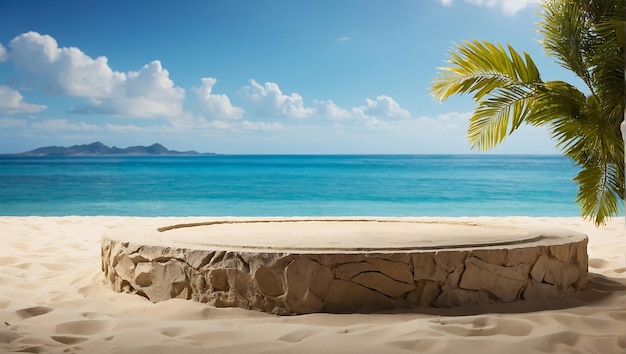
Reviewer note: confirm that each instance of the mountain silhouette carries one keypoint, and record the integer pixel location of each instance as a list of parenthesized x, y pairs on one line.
[(99, 149)]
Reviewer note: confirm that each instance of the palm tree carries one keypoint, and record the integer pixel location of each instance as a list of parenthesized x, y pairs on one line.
[(586, 37)]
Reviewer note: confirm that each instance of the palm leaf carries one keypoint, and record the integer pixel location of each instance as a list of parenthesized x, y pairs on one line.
[(502, 83), (498, 116), (481, 67), (587, 37), (597, 199), (565, 37)]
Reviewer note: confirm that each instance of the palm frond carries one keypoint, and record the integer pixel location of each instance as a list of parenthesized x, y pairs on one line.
[(588, 38), (480, 67), (597, 194), (610, 59), (501, 81), (565, 38), (498, 116)]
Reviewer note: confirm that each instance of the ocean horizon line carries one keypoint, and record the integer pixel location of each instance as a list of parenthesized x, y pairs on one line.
[(212, 155)]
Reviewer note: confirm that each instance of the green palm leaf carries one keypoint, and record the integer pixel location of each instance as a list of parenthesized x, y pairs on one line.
[(597, 199), (501, 82), (587, 37), (480, 67)]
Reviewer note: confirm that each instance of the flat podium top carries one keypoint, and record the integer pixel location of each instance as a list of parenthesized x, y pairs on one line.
[(346, 235)]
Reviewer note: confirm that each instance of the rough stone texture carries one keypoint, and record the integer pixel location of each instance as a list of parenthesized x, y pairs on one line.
[(295, 283)]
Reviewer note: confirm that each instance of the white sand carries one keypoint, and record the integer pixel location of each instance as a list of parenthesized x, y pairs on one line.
[(53, 299)]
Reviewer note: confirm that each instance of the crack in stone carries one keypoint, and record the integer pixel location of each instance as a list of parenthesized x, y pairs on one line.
[(319, 298), (163, 259), (389, 260), (219, 256), (374, 290), (377, 271), (314, 260), (137, 258), (206, 260)]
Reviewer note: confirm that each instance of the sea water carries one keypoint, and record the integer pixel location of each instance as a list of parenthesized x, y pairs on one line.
[(379, 185)]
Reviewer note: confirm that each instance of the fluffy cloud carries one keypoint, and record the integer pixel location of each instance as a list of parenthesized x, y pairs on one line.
[(509, 7), (63, 71), (383, 107), (3, 54), (12, 102), (146, 93), (271, 102), (328, 109), (216, 106)]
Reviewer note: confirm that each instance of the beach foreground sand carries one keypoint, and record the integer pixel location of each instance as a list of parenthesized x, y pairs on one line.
[(53, 299)]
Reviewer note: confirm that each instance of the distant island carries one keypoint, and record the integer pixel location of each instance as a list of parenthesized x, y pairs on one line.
[(99, 149)]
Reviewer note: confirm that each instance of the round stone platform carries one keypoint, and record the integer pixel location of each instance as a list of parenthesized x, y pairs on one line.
[(303, 265)]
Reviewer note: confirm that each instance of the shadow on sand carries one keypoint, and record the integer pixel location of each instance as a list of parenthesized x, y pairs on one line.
[(599, 288)]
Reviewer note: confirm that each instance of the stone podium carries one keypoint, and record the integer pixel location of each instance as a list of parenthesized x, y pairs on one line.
[(291, 266)]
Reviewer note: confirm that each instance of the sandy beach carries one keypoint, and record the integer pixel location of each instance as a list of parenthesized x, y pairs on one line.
[(53, 299)]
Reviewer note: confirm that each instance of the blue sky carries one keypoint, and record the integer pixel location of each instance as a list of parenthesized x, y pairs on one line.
[(250, 77)]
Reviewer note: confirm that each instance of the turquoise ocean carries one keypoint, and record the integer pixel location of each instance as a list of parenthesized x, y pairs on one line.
[(328, 185)]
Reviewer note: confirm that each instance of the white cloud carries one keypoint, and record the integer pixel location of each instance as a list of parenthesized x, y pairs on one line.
[(328, 109), (216, 106), (383, 107), (509, 7), (11, 101), (271, 102), (445, 122), (147, 93), (64, 71), (3, 53), (343, 39)]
